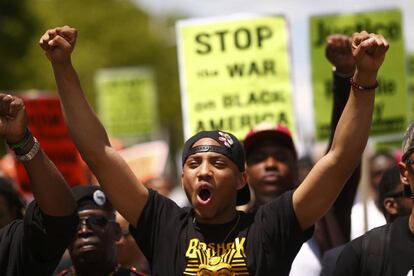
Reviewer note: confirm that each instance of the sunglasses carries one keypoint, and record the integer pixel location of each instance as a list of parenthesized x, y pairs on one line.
[(95, 221)]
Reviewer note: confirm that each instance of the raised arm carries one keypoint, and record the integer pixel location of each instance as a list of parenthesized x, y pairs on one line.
[(335, 226), (48, 186), (120, 184), (320, 188), (339, 53)]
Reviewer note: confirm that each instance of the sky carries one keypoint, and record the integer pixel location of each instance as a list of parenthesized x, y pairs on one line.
[(297, 13)]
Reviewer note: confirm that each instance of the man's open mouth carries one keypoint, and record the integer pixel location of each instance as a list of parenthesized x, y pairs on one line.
[(204, 195)]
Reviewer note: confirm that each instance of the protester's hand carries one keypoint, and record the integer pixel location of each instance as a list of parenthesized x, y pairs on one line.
[(339, 53), (369, 52), (58, 43), (13, 118)]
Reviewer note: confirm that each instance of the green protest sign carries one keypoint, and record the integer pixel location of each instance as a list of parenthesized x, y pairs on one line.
[(126, 101), (391, 104), (234, 73)]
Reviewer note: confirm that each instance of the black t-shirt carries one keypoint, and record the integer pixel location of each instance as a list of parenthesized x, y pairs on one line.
[(34, 245), (399, 253), (263, 242), (120, 271)]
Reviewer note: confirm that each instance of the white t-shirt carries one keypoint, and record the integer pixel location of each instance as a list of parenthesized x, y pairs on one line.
[(375, 218), (307, 262)]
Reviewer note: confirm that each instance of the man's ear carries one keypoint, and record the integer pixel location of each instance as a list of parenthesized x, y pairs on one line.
[(182, 182), (117, 231), (242, 180), (403, 173), (390, 206)]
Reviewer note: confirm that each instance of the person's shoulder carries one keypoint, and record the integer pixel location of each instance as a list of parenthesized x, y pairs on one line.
[(121, 271), (399, 229), (157, 199), (404, 220), (282, 201), (372, 239), (129, 271), (134, 271), (333, 253), (380, 230), (67, 272), (11, 227), (10, 231)]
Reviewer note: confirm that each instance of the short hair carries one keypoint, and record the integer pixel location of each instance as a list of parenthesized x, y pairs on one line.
[(386, 187), (408, 142)]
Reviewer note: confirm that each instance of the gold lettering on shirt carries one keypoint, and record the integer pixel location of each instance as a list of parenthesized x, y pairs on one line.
[(216, 258)]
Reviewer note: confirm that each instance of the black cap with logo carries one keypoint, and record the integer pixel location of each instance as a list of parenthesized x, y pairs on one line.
[(230, 147)]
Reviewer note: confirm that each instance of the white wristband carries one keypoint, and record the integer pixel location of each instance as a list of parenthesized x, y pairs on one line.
[(31, 154)]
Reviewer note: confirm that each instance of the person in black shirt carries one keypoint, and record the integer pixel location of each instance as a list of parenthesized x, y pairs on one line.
[(213, 237), (93, 250), (391, 245), (12, 204), (392, 202), (273, 167), (34, 245)]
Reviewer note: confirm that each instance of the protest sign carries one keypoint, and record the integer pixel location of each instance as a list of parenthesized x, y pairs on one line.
[(234, 73), (47, 124), (126, 101), (391, 104)]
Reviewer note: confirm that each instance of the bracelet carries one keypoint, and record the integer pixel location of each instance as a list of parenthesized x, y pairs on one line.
[(342, 75), (22, 143), (356, 86), (31, 154)]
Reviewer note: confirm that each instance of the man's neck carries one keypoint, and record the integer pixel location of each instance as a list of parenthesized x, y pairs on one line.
[(217, 220), (411, 222)]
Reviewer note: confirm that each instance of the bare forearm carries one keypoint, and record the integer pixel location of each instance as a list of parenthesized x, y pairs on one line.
[(330, 174), (354, 125), (82, 122), (114, 175), (348, 144), (119, 182), (49, 187)]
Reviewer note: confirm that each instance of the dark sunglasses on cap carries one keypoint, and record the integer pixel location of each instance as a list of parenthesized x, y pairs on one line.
[(95, 221)]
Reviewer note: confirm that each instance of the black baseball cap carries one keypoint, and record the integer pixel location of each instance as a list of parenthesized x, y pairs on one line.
[(230, 147), (87, 195)]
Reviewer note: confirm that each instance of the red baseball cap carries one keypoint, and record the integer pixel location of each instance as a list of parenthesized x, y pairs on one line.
[(265, 131)]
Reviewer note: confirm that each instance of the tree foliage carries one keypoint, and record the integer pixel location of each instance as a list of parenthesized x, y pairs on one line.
[(112, 33), (17, 25)]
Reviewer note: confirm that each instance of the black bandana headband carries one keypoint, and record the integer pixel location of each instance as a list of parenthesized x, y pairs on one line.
[(230, 147), (226, 152)]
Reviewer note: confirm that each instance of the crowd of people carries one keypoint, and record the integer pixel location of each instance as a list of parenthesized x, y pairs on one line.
[(250, 211)]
